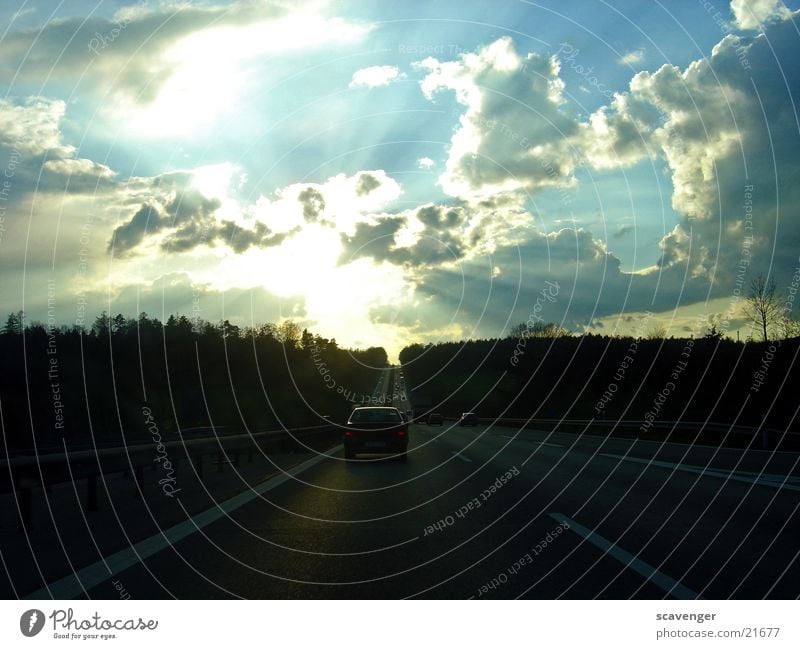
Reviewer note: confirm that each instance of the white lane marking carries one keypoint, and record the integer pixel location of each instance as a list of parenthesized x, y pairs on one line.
[(766, 480), (664, 582), (460, 456), (100, 571), (532, 441)]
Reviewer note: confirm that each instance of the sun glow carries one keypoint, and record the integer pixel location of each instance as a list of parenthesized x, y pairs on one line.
[(211, 69)]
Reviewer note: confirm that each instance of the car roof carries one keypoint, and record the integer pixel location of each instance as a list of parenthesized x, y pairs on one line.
[(375, 408)]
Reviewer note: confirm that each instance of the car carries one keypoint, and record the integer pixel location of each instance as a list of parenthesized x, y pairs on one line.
[(376, 429), (435, 419), (468, 419)]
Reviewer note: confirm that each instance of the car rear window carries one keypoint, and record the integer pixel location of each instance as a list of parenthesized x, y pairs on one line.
[(375, 414)]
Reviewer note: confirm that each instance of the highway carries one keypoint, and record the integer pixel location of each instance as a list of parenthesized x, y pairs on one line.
[(483, 512)]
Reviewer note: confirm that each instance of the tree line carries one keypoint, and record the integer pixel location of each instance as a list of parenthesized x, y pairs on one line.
[(603, 377), (73, 384)]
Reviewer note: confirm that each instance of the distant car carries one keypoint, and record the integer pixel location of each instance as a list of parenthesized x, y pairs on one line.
[(376, 430), (468, 419), (435, 419)]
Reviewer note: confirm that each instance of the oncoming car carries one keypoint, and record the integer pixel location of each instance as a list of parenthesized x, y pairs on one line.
[(435, 419), (377, 429)]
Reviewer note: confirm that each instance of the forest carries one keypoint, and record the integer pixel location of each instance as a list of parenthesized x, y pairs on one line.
[(555, 374), (76, 386)]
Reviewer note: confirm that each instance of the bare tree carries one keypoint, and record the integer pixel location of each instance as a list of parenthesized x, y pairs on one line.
[(762, 306), (656, 332)]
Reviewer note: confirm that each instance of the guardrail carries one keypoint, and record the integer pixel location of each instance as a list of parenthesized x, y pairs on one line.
[(768, 438), (22, 473)]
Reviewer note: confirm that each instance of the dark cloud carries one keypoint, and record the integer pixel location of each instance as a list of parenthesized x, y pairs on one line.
[(366, 183), (190, 220), (590, 284), (313, 203), (239, 239), (191, 205), (376, 240), (443, 238), (128, 236)]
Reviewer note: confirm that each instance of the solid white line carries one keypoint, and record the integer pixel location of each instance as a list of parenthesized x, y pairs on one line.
[(664, 582), (460, 456), (100, 571), (766, 480)]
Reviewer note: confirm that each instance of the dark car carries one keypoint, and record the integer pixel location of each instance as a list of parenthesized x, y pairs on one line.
[(435, 419), (376, 430), (468, 419)]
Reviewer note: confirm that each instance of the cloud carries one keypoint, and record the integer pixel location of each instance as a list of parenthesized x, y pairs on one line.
[(432, 235), (129, 235), (366, 183), (30, 136), (633, 57), (590, 284), (514, 133), (425, 163), (340, 202), (151, 65), (727, 132), (185, 221), (753, 14), (32, 127), (375, 76), (313, 203)]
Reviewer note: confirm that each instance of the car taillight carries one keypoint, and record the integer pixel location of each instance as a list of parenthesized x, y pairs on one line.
[(400, 433), (348, 433)]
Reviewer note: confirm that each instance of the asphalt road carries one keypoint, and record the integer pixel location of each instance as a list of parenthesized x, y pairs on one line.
[(487, 513)]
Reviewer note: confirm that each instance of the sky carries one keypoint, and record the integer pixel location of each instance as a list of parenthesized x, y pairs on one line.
[(387, 173)]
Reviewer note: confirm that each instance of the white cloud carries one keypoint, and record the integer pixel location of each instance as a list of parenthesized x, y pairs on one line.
[(722, 124), (375, 76), (753, 14), (32, 127), (513, 134), (425, 163), (632, 58)]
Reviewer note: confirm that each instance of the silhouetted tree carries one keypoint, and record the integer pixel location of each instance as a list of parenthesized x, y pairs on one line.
[(289, 333), (14, 323), (101, 325), (762, 306)]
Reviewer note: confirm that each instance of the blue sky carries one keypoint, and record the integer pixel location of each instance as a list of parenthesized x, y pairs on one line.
[(393, 172)]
